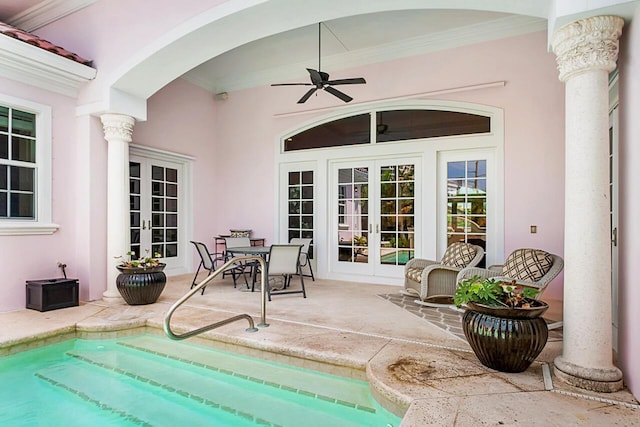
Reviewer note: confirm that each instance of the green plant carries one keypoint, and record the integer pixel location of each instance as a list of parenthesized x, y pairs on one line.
[(493, 293), (143, 262)]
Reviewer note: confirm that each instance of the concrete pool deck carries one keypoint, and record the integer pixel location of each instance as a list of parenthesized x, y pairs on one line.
[(415, 368)]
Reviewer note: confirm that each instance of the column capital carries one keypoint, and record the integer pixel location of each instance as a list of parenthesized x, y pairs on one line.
[(117, 126), (587, 44)]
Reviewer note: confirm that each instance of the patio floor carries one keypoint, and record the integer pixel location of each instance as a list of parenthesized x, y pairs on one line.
[(415, 367)]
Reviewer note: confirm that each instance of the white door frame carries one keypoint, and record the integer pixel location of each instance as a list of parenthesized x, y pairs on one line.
[(185, 201), (426, 149)]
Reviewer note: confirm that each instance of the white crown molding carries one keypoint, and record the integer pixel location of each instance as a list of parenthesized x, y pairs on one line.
[(32, 65), (46, 12), (500, 28)]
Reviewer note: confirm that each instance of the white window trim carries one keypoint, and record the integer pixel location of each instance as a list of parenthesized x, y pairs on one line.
[(42, 224)]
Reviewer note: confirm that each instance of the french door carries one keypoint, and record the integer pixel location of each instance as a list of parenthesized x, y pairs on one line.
[(155, 188), (373, 216)]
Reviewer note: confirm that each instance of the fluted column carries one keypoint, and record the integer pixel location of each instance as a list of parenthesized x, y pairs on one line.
[(118, 129), (586, 52)]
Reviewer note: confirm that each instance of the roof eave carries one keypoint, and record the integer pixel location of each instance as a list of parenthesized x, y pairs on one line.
[(32, 65)]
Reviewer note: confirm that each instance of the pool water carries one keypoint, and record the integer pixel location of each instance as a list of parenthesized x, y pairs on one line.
[(398, 257), (151, 381)]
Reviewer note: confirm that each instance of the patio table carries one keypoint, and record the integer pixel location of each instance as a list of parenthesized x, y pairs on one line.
[(263, 251)]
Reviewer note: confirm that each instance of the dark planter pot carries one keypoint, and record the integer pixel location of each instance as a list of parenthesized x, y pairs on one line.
[(139, 285), (506, 339)]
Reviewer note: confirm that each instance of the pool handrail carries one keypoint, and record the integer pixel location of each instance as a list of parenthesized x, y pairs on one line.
[(209, 278)]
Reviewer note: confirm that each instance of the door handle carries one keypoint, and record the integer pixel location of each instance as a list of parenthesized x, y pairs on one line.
[(378, 228), (369, 228), (144, 224), (614, 236)]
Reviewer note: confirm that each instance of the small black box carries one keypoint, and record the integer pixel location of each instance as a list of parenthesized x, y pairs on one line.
[(50, 294)]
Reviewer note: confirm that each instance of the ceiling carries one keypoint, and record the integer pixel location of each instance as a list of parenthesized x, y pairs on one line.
[(346, 42)]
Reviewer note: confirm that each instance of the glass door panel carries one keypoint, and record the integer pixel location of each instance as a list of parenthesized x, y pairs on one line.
[(154, 191), (397, 207), (374, 217), (353, 215), (467, 202)]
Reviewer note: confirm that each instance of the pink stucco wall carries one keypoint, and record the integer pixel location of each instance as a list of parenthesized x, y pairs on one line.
[(533, 104), (36, 257), (629, 232), (181, 119)]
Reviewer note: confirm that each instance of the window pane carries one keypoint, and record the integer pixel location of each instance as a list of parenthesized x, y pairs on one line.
[(172, 190), (3, 205), (134, 219), (134, 203), (294, 178), (347, 131), (22, 205), (134, 170), (172, 175), (307, 192), (157, 188), (307, 177), (22, 179), (134, 186), (172, 235), (23, 123), (4, 119), (157, 220), (23, 149), (172, 205), (3, 177), (157, 204), (172, 251), (157, 236), (172, 220), (4, 146), (414, 124), (157, 173)]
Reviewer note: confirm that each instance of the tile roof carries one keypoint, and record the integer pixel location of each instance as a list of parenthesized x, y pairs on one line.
[(34, 40)]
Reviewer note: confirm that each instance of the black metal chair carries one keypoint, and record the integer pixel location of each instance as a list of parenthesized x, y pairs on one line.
[(210, 263)]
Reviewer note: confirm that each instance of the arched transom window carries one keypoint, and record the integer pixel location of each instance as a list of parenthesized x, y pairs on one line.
[(388, 126)]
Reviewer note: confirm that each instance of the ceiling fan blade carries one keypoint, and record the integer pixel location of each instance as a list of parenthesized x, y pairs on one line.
[(325, 76), (354, 81), (307, 95), (316, 78), (336, 92), (291, 84)]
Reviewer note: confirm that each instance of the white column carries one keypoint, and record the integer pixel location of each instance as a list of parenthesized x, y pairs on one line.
[(586, 52), (118, 129)]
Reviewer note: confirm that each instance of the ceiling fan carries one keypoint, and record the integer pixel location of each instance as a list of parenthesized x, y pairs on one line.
[(320, 79)]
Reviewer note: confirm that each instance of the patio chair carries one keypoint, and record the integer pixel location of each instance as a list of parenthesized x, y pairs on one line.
[(533, 268), (284, 260), (207, 262), (434, 283), (241, 267), (305, 261)]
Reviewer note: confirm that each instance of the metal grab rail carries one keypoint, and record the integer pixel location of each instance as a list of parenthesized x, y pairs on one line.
[(251, 328)]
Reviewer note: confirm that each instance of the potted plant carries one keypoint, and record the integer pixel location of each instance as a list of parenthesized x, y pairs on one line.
[(502, 322), (142, 280)]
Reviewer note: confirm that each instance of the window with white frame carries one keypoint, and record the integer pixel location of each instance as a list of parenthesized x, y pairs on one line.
[(25, 192)]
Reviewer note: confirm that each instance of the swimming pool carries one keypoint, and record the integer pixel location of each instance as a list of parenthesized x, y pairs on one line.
[(147, 380), (397, 257)]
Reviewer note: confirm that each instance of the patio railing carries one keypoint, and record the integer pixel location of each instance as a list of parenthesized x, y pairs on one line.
[(263, 322)]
